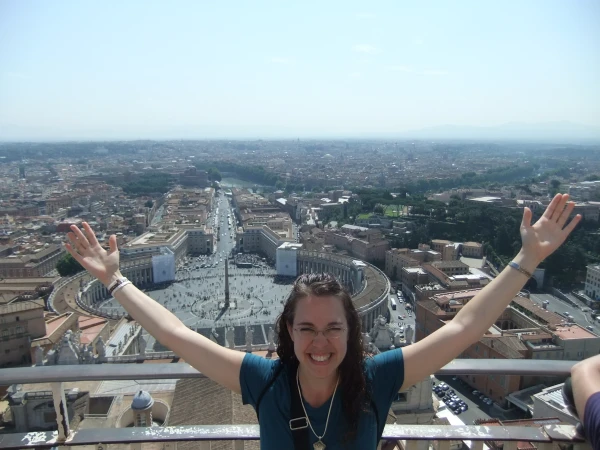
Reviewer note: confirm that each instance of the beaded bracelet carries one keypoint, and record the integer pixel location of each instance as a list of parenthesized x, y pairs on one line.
[(516, 266)]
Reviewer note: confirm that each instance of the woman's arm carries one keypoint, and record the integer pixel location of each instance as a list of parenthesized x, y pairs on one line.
[(474, 319), (218, 363), (585, 379)]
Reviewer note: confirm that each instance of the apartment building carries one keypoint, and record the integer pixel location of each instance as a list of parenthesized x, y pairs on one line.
[(592, 282), (363, 243), (30, 261), (451, 268), (398, 258), (451, 250), (20, 322)]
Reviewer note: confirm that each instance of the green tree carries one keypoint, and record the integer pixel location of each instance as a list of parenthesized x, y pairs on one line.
[(554, 185), (67, 266), (148, 204), (214, 174)]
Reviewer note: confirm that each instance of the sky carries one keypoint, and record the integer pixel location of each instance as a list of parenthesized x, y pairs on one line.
[(143, 69)]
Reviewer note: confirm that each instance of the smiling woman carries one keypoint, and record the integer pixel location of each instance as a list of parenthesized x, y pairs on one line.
[(324, 390)]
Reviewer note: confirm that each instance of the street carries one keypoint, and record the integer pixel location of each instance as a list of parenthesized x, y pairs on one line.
[(400, 316), (477, 409), (561, 307)]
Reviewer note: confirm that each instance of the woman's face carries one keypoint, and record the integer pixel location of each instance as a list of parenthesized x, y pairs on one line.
[(320, 355)]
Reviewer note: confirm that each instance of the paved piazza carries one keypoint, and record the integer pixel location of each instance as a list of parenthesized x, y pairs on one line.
[(198, 295)]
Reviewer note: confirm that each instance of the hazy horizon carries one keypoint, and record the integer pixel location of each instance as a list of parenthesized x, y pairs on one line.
[(158, 71)]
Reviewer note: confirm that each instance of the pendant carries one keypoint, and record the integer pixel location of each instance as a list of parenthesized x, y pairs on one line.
[(319, 445)]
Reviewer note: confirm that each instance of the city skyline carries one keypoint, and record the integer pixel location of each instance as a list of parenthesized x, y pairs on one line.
[(148, 71)]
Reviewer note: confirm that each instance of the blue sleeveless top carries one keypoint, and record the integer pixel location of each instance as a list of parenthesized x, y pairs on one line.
[(384, 372)]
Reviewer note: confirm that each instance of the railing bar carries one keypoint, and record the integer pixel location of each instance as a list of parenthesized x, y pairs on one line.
[(466, 432), (99, 372), (411, 433)]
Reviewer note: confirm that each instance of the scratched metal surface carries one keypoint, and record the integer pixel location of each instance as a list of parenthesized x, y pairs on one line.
[(251, 432)]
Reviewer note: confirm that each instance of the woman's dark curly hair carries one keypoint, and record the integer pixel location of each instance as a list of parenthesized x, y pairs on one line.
[(353, 385)]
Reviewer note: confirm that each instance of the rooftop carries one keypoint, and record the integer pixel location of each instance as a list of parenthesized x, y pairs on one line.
[(14, 307), (573, 332)]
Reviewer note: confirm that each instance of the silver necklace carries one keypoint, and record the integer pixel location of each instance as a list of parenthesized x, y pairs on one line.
[(319, 444)]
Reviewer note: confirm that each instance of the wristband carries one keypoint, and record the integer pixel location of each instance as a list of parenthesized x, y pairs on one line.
[(516, 266), (120, 286), (111, 287)]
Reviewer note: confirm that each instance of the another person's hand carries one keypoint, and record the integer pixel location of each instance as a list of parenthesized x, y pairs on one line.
[(549, 232), (85, 248)]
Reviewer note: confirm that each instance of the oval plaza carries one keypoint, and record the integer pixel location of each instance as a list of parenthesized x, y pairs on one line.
[(163, 265)]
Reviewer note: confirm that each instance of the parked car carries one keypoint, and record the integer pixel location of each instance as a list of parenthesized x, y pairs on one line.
[(475, 392)]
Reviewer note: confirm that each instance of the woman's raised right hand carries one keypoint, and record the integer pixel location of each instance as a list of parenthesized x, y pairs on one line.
[(85, 248)]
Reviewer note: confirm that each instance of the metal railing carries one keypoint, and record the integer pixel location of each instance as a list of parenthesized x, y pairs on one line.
[(545, 437)]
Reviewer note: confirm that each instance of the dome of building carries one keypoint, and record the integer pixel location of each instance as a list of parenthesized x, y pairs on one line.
[(328, 156), (142, 400)]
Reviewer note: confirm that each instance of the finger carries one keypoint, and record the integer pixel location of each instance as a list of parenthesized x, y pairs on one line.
[(80, 237), (89, 233), (571, 225), (552, 206), (73, 253), (76, 243), (560, 208), (526, 222), (112, 243), (72, 238), (565, 214)]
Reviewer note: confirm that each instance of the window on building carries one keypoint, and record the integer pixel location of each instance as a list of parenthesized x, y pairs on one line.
[(141, 422), (401, 397), (17, 318)]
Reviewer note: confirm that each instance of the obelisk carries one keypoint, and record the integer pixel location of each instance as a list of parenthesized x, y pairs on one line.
[(226, 285)]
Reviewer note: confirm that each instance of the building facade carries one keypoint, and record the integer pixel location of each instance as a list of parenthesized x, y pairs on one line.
[(20, 322), (592, 282)]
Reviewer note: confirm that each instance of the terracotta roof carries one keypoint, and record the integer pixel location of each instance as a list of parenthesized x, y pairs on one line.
[(508, 346), (201, 401), (544, 316), (90, 326)]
